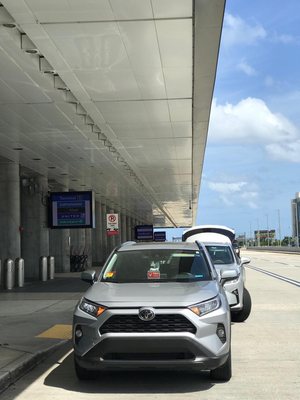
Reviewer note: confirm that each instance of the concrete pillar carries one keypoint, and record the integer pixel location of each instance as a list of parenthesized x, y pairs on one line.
[(110, 239), (118, 240), (59, 245), (123, 227), (104, 250), (133, 228), (88, 246), (10, 242), (77, 240), (128, 228), (97, 237), (34, 218)]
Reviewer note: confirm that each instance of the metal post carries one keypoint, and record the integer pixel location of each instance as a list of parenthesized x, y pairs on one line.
[(268, 237), (296, 232), (19, 266), (51, 267), (0, 274), (43, 268), (279, 227), (9, 270)]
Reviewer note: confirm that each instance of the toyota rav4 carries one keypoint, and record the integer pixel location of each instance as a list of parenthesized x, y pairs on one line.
[(157, 306)]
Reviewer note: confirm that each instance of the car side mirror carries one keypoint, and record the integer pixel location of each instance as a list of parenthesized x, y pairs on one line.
[(245, 260), (88, 276), (228, 275)]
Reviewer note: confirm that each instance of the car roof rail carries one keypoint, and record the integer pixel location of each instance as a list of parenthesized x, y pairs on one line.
[(128, 242)]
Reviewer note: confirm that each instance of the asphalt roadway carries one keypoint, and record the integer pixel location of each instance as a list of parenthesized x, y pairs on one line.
[(35, 331)]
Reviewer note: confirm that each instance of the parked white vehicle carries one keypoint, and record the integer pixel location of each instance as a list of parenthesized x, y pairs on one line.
[(218, 242)]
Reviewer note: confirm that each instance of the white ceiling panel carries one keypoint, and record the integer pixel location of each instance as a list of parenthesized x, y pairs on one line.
[(151, 83), (182, 129), (90, 46), (140, 40), (172, 8), (129, 65), (175, 38), (180, 110), (178, 82), (103, 85), (147, 130), (131, 9), (71, 10), (8, 95), (134, 111)]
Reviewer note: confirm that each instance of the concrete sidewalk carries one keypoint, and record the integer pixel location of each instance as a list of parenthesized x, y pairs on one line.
[(34, 321)]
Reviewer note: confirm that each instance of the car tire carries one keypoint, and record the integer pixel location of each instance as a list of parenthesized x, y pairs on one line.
[(242, 315), (224, 372), (83, 374)]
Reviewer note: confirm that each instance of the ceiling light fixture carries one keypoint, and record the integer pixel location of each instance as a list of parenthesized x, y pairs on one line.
[(45, 67), (27, 45), (59, 83)]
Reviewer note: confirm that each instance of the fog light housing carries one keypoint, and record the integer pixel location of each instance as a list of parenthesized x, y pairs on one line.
[(221, 333), (78, 333)]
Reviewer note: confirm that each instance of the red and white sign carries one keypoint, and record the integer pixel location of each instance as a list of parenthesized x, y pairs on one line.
[(112, 224)]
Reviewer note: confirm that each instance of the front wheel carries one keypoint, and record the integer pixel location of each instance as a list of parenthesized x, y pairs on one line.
[(224, 372), (242, 315)]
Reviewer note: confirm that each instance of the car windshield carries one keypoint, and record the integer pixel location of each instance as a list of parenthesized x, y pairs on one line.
[(220, 254), (163, 265)]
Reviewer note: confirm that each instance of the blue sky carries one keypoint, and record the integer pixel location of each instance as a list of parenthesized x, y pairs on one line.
[(252, 160)]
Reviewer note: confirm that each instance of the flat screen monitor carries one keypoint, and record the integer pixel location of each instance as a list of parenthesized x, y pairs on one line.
[(159, 236), (72, 210), (144, 232)]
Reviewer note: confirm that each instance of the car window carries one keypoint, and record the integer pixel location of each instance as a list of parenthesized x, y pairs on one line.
[(157, 265), (220, 254)]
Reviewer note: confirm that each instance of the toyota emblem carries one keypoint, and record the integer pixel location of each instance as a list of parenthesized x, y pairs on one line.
[(146, 314)]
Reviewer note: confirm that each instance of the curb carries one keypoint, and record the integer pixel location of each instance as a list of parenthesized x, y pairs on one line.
[(27, 362)]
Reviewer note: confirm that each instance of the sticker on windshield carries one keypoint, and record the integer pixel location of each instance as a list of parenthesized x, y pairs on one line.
[(153, 274), (110, 274), (199, 276)]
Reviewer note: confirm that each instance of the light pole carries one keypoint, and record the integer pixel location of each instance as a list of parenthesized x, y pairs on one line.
[(279, 227), (258, 233), (297, 224), (268, 238)]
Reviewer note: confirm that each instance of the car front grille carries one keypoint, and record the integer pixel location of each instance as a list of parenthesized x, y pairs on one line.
[(149, 356), (161, 323)]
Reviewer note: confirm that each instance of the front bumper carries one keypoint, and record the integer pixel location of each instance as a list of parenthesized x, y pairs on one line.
[(160, 350), (234, 293)]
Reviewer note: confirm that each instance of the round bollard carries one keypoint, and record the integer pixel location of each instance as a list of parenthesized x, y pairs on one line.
[(19, 266), (51, 267), (9, 271), (43, 268)]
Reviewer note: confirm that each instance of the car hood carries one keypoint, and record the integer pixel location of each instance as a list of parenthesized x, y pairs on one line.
[(155, 294)]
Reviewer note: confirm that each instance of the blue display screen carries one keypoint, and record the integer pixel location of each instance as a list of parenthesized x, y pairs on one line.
[(72, 210)]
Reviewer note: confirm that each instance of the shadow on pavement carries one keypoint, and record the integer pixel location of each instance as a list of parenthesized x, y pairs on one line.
[(57, 285), (128, 381)]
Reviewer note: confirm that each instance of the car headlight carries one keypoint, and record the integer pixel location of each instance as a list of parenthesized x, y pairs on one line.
[(206, 307), (91, 308)]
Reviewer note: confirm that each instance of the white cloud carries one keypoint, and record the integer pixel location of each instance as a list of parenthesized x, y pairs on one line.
[(246, 68), (225, 187), (285, 38), (234, 193), (237, 31), (285, 151), (250, 121)]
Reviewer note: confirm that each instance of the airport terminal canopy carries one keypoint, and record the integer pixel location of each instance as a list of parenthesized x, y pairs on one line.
[(112, 96)]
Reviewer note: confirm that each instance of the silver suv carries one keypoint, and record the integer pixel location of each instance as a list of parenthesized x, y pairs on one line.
[(154, 305), (218, 242)]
